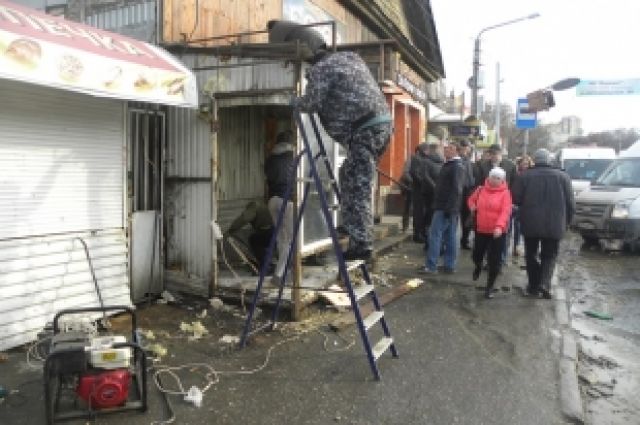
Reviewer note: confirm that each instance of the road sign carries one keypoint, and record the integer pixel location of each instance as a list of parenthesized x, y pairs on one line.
[(524, 118)]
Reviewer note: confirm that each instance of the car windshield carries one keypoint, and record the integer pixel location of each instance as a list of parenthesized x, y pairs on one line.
[(623, 172), (586, 169)]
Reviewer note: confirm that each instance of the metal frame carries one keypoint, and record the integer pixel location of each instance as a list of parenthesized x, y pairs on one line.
[(52, 379), (160, 136)]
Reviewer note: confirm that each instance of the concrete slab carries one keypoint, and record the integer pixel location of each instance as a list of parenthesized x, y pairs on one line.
[(569, 346), (570, 399)]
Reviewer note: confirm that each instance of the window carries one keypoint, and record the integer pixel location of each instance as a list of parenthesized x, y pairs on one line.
[(586, 169), (624, 172)]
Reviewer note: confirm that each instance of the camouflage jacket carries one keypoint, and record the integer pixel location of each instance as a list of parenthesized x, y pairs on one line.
[(341, 89)]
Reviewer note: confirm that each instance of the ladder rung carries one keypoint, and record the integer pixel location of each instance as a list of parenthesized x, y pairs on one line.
[(260, 328), (381, 347), (352, 265), (372, 319), (312, 180), (362, 290)]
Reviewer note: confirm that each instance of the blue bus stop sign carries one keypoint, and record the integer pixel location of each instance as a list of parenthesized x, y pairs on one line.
[(524, 118)]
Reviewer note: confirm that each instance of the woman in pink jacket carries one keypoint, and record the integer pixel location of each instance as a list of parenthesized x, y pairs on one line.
[(492, 205)]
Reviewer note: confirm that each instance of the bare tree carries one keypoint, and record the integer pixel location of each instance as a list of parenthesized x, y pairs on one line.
[(618, 139)]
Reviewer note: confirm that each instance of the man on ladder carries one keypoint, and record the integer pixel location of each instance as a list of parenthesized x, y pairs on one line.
[(354, 112)]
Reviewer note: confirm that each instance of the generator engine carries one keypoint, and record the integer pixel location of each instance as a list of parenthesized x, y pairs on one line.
[(103, 390), (91, 372)]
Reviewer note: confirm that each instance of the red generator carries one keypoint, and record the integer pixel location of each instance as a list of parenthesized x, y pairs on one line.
[(103, 390), (88, 374)]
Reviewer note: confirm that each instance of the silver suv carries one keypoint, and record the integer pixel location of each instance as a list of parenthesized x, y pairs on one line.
[(610, 209)]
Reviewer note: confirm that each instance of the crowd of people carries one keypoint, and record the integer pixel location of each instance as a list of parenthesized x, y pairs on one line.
[(492, 198)]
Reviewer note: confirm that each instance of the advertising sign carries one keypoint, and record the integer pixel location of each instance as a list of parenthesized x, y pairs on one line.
[(50, 51), (608, 87)]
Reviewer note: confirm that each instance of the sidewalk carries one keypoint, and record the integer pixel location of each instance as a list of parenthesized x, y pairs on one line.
[(463, 360)]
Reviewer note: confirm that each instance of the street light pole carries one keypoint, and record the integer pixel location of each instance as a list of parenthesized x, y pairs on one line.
[(497, 107), (476, 59)]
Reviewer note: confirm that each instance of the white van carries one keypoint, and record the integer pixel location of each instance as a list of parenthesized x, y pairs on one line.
[(610, 209), (584, 165)]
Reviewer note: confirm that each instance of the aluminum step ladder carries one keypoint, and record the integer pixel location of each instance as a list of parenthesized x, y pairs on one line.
[(357, 294)]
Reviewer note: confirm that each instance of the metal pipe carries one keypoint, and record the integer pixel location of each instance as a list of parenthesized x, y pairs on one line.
[(235, 65), (334, 36), (213, 139)]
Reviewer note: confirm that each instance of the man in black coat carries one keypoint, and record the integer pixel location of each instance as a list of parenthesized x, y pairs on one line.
[(546, 207), (278, 169), (496, 159), (424, 169), (470, 184), (447, 202)]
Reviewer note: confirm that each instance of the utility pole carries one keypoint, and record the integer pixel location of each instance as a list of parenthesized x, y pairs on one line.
[(474, 82), (476, 59), (497, 121)]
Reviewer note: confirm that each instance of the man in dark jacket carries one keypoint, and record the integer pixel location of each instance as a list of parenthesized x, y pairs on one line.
[(470, 184), (496, 159), (278, 169), (424, 169), (446, 205), (354, 112), (546, 207)]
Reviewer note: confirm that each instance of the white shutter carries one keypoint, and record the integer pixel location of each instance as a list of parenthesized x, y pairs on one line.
[(61, 177)]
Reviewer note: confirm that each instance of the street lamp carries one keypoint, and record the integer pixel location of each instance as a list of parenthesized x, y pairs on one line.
[(476, 58), (565, 84)]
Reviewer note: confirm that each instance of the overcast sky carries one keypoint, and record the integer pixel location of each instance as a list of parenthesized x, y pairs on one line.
[(588, 39)]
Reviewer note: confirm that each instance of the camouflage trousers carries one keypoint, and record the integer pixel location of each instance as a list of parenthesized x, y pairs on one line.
[(356, 178)]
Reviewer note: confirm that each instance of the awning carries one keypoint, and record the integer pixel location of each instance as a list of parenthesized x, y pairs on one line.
[(42, 49)]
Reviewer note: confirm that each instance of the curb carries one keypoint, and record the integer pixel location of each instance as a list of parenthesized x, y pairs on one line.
[(570, 397)]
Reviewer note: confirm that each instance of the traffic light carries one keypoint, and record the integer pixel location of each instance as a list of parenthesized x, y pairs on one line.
[(549, 100)]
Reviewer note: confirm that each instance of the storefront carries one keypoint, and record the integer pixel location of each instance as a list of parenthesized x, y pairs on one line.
[(67, 229), (215, 164)]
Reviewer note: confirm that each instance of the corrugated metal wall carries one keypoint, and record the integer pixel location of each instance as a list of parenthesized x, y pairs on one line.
[(40, 276), (62, 161), (241, 141), (188, 194), (137, 19)]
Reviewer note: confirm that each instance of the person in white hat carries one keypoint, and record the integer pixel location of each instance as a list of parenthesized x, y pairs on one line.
[(491, 204)]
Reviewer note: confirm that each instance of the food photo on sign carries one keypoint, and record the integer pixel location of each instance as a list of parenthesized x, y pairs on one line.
[(49, 50)]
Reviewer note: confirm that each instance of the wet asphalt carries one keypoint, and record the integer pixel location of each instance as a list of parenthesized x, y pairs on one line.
[(463, 360), (609, 362)]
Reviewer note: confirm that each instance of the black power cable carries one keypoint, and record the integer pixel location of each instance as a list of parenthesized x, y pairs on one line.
[(93, 274)]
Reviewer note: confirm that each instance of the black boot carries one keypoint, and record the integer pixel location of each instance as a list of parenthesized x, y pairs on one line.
[(491, 280), (476, 272), (488, 293)]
